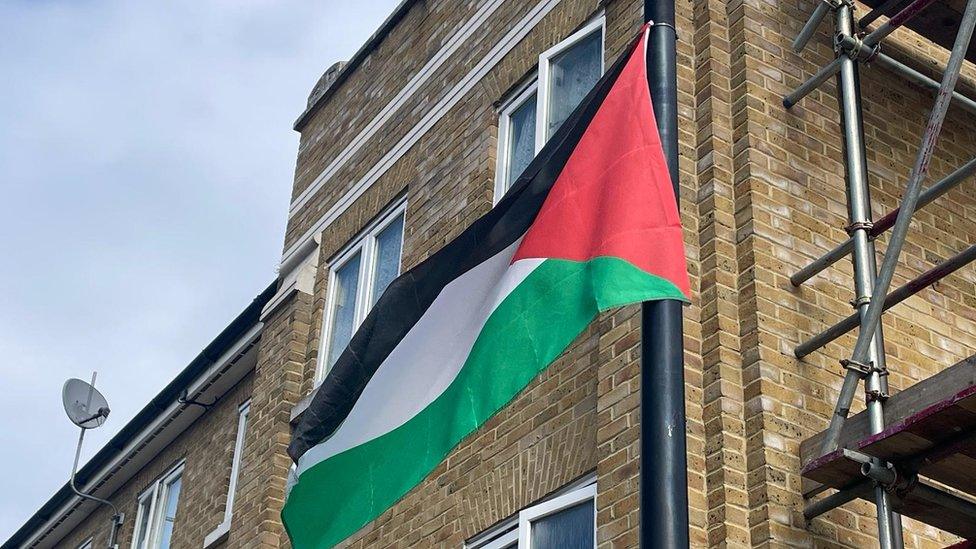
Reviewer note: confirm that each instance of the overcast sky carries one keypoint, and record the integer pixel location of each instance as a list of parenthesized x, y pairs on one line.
[(146, 160)]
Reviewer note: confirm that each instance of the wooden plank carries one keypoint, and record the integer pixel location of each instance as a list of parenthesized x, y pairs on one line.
[(837, 472), (940, 387), (938, 23), (957, 470), (939, 423)]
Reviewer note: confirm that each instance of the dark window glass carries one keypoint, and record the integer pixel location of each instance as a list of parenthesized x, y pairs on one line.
[(521, 140), (572, 74), (571, 528)]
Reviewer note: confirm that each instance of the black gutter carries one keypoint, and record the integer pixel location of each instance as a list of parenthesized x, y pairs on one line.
[(210, 354), (357, 59), (664, 461)]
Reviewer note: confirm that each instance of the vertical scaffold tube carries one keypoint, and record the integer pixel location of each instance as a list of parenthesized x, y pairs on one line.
[(864, 259)]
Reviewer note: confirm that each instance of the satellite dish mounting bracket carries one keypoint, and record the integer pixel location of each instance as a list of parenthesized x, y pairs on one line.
[(184, 399)]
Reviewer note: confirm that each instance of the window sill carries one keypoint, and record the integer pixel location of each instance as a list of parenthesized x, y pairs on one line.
[(298, 409), (218, 535)]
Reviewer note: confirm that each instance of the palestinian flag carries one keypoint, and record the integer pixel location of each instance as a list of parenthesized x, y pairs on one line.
[(591, 224)]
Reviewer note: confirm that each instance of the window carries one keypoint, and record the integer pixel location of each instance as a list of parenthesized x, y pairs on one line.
[(235, 465), (357, 278), (516, 131), (220, 532), (157, 511), (567, 72), (567, 521)]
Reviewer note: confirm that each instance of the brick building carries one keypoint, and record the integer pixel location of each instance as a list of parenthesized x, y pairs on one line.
[(412, 139)]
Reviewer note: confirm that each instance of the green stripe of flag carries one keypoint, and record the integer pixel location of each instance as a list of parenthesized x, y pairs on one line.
[(533, 325)]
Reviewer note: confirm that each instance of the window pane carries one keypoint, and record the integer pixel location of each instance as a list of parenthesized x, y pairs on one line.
[(572, 74), (521, 139), (344, 308), (169, 512), (143, 522), (388, 244), (571, 528)]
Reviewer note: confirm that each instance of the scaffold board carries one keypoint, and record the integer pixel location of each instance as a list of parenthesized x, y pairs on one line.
[(931, 429)]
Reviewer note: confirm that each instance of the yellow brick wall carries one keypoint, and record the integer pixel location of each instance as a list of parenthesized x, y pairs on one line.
[(762, 193)]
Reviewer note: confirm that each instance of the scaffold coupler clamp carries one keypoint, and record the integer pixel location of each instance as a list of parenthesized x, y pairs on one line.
[(858, 226), (890, 478), (904, 485), (855, 48), (863, 368), (875, 395)]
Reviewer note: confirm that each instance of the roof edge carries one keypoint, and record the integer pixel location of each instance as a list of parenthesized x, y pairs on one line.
[(237, 328), (356, 60)]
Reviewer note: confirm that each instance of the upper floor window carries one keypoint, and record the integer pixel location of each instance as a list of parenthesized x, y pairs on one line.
[(357, 278), (516, 144), (235, 466), (565, 521), (567, 72), (157, 511)]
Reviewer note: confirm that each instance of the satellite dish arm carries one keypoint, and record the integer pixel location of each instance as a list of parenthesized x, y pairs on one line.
[(117, 516)]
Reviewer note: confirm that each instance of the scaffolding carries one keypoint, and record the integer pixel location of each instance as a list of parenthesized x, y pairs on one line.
[(913, 453)]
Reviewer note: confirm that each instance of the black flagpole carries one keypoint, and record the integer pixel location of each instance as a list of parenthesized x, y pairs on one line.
[(664, 464)]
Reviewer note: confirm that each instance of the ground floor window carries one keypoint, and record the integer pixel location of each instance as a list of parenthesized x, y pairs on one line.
[(565, 521)]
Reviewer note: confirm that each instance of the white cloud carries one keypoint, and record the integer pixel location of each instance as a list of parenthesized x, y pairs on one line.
[(146, 160)]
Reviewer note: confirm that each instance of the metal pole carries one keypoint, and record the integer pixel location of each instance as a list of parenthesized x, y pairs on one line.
[(873, 315), (860, 490), (928, 196), (892, 65), (945, 500), (911, 288), (862, 49), (807, 31), (117, 516), (864, 262), (663, 461), (813, 83)]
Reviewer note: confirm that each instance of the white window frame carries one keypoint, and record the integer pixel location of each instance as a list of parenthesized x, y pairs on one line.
[(518, 529), (364, 243), (539, 85), (553, 506), (154, 493), (504, 156), (235, 467), (545, 69), (222, 529)]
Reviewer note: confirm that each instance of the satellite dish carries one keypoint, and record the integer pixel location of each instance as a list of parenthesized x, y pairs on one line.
[(85, 406)]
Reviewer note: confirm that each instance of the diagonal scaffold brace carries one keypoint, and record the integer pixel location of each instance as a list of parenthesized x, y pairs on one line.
[(872, 317)]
